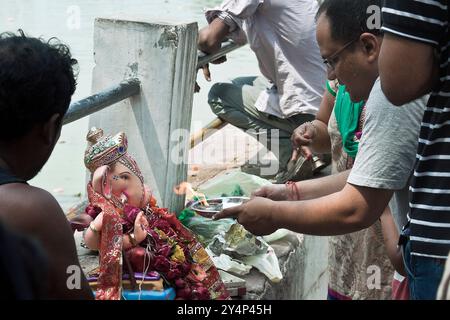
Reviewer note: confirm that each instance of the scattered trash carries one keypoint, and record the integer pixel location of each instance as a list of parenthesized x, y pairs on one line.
[(226, 263), (245, 248), (231, 247)]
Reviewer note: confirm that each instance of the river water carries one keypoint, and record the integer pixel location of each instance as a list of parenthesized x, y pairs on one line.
[(72, 21)]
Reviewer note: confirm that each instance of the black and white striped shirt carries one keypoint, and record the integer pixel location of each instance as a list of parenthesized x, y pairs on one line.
[(427, 21)]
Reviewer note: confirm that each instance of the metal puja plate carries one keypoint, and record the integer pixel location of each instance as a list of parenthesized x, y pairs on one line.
[(216, 205)]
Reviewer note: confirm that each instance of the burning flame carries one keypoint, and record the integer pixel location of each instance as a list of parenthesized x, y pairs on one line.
[(185, 188)]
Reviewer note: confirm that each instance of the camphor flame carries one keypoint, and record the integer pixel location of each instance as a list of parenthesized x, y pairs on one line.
[(185, 188)]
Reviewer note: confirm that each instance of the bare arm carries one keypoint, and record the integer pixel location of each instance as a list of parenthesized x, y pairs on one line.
[(352, 209), (391, 235), (211, 37), (321, 142), (402, 83), (316, 188), (304, 190)]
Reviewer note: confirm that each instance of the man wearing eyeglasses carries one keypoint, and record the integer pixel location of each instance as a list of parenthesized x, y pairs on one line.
[(352, 200), (289, 92)]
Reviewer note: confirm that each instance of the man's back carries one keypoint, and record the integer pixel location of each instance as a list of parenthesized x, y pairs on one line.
[(23, 267), (34, 212)]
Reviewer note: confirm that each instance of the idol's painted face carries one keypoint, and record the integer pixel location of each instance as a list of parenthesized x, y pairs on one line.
[(126, 185), (119, 181)]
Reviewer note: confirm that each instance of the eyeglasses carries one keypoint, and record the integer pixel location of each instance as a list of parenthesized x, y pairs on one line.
[(330, 62)]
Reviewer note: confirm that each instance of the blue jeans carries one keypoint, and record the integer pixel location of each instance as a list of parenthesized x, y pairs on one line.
[(424, 274)]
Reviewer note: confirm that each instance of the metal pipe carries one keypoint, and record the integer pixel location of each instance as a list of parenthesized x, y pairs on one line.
[(130, 87), (103, 99), (227, 47)]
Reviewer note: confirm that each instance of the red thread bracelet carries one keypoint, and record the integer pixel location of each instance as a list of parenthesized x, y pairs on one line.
[(294, 189)]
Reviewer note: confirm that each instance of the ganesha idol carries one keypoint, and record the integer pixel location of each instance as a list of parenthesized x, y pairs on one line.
[(133, 234)]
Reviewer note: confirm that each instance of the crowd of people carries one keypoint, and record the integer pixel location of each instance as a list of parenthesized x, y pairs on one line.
[(375, 97)]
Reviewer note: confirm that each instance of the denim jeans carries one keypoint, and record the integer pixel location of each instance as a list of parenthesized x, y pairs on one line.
[(424, 274)]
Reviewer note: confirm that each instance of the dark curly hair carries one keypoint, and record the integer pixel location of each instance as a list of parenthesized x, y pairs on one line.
[(37, 80), (348, 18)]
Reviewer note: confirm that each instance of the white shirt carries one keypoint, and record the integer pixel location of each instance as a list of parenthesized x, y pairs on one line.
[(283, 36)]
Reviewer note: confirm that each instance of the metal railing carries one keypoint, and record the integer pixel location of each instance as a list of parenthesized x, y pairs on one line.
[(227, 47), (103, 99), (129, 88)]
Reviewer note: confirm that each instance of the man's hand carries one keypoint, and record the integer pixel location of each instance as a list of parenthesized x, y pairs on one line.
[(207, 72), (301, 138), (255, 215), (275, 192), (303, 135), (210, 41), (98, 222), (302, 151)]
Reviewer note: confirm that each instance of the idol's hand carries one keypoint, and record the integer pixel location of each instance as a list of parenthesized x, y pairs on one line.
[(98, 222), (256, 215), (140, 226)]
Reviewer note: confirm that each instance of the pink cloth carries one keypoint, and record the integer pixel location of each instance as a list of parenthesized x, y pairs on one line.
[(400, 288)]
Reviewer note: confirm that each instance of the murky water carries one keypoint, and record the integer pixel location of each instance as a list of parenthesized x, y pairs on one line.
[(72, 21)]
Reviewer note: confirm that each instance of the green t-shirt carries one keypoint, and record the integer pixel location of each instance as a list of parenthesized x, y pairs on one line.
[(347, 115)]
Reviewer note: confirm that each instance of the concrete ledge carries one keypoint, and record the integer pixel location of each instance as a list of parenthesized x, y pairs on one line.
[(303, 263)]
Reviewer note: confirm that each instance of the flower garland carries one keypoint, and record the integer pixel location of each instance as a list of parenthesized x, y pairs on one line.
[(170, 246)]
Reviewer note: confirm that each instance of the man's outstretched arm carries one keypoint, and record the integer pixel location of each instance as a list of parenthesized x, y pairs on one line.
[(352, 209)]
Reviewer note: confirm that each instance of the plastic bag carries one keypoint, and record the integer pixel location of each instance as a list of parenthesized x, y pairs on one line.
[(206, 229), (277, 235), (267, 263), (237, 243), (242, 246), (226, 263)]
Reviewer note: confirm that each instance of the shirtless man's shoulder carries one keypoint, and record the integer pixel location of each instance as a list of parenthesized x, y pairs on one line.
[(36, 213)]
